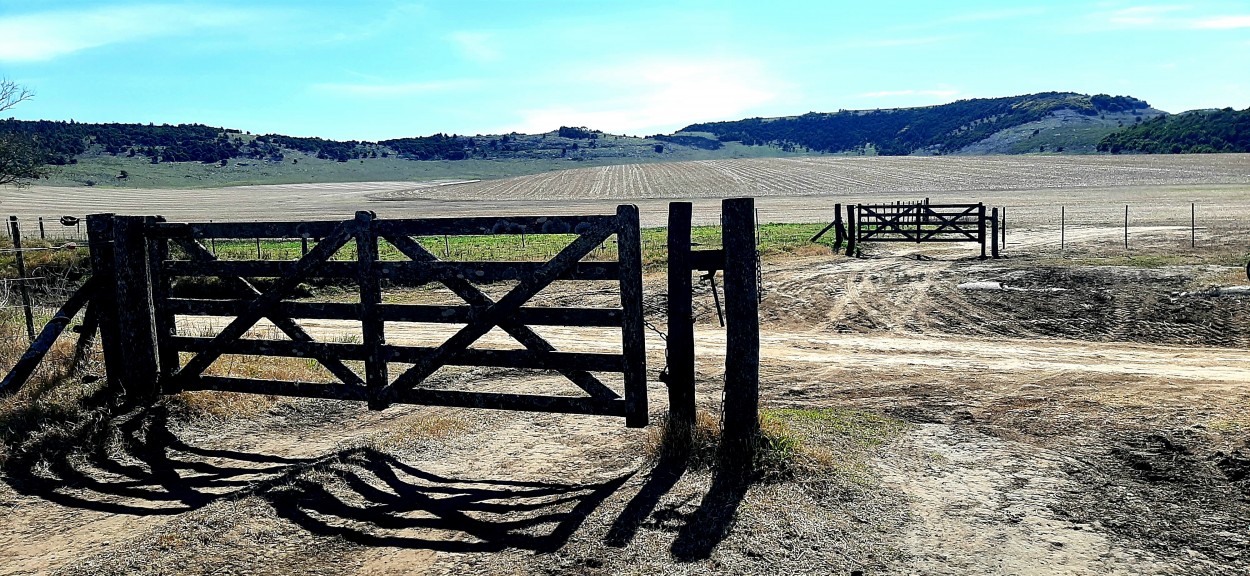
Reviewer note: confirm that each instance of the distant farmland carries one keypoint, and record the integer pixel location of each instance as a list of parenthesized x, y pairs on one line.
[(803, 189), (823, 175)]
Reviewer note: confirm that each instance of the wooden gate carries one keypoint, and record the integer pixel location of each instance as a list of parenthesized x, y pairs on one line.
[(922, 222), (146, 346)]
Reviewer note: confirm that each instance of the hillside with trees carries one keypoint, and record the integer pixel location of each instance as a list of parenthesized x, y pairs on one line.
[(943, 129), (1052, 122), (1202, 131)]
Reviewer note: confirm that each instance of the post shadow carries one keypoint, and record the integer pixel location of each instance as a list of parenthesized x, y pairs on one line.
[(708, 526), (661, 480)]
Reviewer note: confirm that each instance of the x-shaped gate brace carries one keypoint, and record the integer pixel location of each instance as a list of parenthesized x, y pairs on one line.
[(892, 222), (483, 314)]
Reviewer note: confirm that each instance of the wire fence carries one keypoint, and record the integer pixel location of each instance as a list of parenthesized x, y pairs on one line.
[(65, 228)]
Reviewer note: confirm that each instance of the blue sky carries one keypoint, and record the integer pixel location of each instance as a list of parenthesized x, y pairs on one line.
[(373, 69)]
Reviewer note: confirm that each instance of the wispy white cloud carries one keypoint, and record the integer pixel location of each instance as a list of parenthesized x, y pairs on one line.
[(658, 94), (385, 90), (1142, 16), (1170, 17), (1221, 22), (899, 93), (46, 35), (476, 46)]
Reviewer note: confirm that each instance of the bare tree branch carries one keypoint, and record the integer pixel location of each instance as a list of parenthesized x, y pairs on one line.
[(21, 158), (12, 94)]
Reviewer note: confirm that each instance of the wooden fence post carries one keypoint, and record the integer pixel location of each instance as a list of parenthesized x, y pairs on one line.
[(742, 338), (1062, 227), (981, 227), (372, 326), (629, 254), (1003, 225), (994, 233), (136, 319), (839, 229), (42, 235), (20, 258), (166, 328), (852, 230), (1193, 225), (681, 370), (104, 304)]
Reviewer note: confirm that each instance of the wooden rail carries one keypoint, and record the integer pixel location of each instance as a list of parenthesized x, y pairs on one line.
[(146, 350), (921, 222)]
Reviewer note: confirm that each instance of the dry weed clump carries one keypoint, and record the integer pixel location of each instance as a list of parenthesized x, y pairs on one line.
[(55, 411), (809, 445), (414, 430), (224, 406), (219, 406)]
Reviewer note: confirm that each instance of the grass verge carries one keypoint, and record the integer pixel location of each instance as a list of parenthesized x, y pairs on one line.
[(826, 445)]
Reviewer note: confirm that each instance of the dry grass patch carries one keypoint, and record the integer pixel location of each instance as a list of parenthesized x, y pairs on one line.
[(809, 445), (55, 411), (223, 406), (414, 430)]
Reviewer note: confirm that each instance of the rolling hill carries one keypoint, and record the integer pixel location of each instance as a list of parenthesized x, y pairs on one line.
[(1045, 122), (1199, 131), (195, 155)]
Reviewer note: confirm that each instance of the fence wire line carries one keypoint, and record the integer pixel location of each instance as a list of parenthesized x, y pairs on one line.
[(39, 249)]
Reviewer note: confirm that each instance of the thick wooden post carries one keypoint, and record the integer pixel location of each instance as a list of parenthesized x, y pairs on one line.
[(629, 254), (852, 230), (915, 216), (839, 229), (742, 337), (681, 370), (994, 233), (981, 227), (100, 241), (20, 258), (372, 327), (136, 321), (42, 235), (158, 253)]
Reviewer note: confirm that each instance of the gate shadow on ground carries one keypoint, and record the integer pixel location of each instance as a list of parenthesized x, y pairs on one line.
[(700, 531), (359, 494)]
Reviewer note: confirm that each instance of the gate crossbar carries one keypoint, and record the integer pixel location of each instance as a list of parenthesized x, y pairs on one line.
[(920, 222), (480, 313)]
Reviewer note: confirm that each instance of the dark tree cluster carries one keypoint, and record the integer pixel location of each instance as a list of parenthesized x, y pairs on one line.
[(1104, 102), (436, 147), (578, 133), (180, 143), (322, 148), (941, 129), (692, 141), (1197, 132)]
